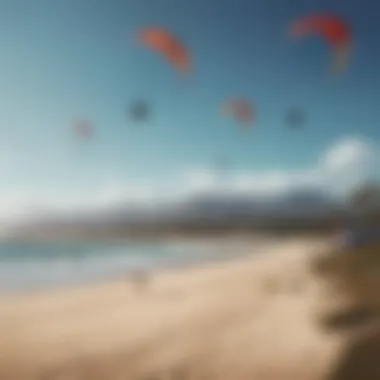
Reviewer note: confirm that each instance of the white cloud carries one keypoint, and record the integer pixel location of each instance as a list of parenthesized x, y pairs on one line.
[(348, 163), (349, 154), (342, 166), (267, 183)]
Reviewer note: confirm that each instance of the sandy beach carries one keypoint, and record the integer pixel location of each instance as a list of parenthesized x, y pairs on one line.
[(250, 318)]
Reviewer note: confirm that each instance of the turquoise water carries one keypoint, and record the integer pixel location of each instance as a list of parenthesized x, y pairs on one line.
[(39, 266)]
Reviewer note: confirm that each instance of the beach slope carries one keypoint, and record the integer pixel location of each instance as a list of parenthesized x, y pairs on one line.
[(250, 318)]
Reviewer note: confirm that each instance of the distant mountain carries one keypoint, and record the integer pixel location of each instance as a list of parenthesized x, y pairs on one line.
[(303, 203), (307, 203)]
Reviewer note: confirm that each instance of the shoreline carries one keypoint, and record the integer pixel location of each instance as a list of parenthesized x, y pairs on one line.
[(198, 252), (209, 321)]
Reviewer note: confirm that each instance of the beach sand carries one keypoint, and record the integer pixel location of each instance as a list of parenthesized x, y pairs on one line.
[(250, 318)]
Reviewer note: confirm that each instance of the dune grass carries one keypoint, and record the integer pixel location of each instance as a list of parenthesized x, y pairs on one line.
[(354, 274)]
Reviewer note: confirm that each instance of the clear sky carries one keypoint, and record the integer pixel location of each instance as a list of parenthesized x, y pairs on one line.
[(64, 59)]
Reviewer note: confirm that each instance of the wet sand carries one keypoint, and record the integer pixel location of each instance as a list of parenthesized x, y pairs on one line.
[(250, 318)]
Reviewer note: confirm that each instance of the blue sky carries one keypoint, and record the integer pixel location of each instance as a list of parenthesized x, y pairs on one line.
[(67, 58)]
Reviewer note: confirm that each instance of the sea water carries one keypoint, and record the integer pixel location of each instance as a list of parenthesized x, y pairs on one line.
[(39, 266)]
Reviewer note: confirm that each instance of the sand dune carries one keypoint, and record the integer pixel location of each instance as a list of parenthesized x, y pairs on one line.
[(253, 318)]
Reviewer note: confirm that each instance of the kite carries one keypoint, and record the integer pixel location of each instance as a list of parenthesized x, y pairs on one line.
[(139, 111), (83, 129), (242, 110), (336, 32), (295, 118), (169, 46)]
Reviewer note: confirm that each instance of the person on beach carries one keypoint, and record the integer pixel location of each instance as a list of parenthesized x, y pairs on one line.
[(141, 278)]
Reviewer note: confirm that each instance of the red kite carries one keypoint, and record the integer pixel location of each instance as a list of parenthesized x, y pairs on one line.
[(242, 110), (165, 43), (333, 29)]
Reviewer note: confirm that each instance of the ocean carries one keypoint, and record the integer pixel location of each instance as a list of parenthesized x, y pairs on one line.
[(41, 266)]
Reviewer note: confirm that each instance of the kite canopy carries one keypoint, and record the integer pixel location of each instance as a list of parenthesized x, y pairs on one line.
[(139, 111), (242, 110), (83, 129), (168, 45), (295, 118), (336, 32)]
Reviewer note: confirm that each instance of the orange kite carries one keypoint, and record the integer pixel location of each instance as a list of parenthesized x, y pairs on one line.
[(165, 43)]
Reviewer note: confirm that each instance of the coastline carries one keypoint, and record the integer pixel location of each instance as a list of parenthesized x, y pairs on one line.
[(53, 265), (232, 318)]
